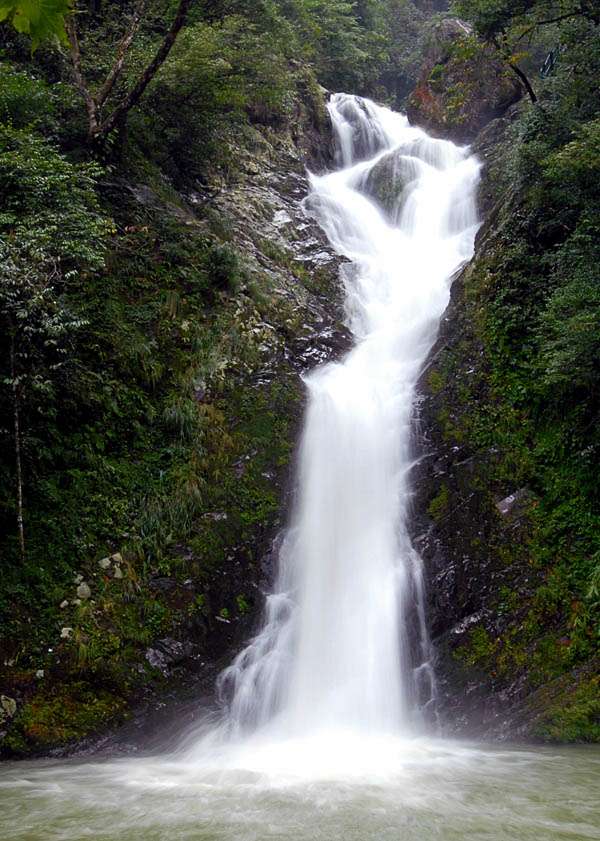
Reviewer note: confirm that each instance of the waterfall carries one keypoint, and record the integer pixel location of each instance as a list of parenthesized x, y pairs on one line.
[(321, 738), (344, 641)]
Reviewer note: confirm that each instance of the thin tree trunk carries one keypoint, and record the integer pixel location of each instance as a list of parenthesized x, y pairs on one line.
[(503, 48), (524, 79), (93, 116), (115, 72), (17, 430)]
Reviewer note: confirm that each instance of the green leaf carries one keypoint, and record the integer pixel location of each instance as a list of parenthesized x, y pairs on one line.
[(40, 19)]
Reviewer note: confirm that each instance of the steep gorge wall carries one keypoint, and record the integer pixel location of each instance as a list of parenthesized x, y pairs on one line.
[(511, 663)]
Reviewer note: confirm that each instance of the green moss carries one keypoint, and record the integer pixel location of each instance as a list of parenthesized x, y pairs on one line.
[(61, 714), (572, 713), (438, 506), (435, 75), (196, 606), (508, 601), (479, 649), (436, 381), (242, 603)]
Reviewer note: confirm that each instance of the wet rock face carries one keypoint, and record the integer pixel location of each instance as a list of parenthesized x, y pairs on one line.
[(470, 549), (472, 538), (365, 141), (289, 265), (470, 530), (388, 183), (462, 86)]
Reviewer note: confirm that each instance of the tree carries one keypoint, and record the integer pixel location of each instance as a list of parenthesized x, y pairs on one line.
[(38, 329), (492, 19), (41, 19), (506, 23), (51, 231), (100, 126)]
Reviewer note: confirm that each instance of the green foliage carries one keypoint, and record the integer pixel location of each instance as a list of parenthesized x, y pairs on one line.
[(51, 232), (242, 603), (223, 267), (478, 649), (50, 213), (61, 714), (571, 713), (404, 30), (222, 76), (438, 506), (493, 18), (513, 27), (26, 102), (40, 19), (196, 606)]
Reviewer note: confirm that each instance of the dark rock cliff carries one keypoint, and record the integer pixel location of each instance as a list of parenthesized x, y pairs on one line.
[(506, 663), (471, 534)]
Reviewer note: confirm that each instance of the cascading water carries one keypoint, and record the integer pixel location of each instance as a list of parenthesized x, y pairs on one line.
[(344, 644), (320, 739)]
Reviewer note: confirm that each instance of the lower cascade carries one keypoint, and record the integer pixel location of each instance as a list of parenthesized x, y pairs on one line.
[(344, 644)]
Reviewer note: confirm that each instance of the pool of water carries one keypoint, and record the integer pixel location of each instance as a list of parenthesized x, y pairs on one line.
[(389, 790)]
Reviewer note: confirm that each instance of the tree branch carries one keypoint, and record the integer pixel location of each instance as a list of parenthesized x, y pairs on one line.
[(78, 71), (537, 23), (524, 79), (99, 129), (138, 89), (115, 72), (504, 51)]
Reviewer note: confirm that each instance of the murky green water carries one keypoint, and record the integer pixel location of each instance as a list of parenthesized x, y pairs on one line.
[(442, 790)]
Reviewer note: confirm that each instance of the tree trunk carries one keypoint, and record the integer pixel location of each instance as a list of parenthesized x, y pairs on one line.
[(524, 79), (16, 401), (99, 128), (121, 110)]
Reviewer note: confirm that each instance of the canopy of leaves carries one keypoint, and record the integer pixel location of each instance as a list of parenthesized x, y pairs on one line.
[(50, 214), (493, 18)]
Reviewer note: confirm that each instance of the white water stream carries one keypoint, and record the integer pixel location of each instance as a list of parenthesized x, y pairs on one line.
[(324, 736), (345, 646)]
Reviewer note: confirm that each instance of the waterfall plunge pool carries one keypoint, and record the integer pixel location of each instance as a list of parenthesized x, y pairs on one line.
[(391, 791)]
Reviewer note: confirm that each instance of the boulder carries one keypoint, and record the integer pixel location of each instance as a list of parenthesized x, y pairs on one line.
[(84, 591), (8, 707), (388, 182)]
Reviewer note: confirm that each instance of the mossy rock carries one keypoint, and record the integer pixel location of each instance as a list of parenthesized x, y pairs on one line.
[(61, 714), (568, 710), (388, 182)]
